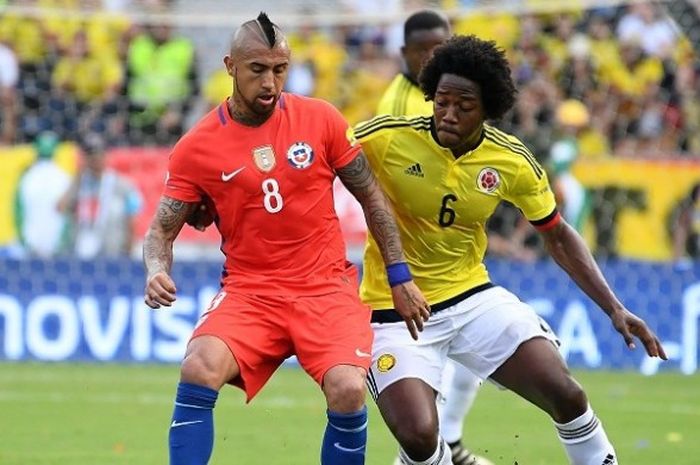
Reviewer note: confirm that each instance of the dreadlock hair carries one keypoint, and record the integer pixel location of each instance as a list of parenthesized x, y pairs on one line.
[(478, 60)]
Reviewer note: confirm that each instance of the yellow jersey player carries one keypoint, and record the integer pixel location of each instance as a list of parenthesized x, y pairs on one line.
[(423, 31), (444, 175)]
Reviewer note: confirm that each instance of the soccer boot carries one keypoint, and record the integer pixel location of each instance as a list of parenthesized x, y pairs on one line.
[(462, 456)]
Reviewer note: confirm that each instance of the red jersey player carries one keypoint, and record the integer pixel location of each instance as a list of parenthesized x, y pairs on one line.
[(266, 161)]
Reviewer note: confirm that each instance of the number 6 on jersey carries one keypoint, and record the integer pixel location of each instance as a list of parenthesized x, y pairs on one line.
[(273, 200)]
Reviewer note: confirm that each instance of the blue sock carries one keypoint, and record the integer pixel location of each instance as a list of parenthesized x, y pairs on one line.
[(345, 439), (192, 429)]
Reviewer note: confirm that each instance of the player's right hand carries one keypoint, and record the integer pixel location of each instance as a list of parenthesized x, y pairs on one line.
[(160, 290), (411, 305)]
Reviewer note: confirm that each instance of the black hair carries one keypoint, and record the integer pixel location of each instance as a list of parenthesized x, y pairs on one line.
[(480, 61), (424, 20), (268, 28)]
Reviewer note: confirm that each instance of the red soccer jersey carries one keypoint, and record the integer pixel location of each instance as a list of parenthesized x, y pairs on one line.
[(272, 186)]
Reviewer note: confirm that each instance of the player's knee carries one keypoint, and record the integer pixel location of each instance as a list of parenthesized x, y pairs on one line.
[(345, 390), (569, 402), (197, 369), (418, 438)]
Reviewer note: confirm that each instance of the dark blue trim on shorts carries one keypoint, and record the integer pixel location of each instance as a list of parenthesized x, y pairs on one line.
[(392, 316)]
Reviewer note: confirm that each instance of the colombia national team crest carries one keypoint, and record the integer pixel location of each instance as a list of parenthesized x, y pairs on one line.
[(300, 155), (386, 362), (264, 158), (488, 180)]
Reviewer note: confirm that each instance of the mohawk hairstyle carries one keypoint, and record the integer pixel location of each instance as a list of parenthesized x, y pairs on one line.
[(268, 28)]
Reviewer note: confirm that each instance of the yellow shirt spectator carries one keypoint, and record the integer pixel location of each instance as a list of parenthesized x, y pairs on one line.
[(25, 35), (503, 28), (105, 32), (88, 77), (633, 78), (61, 26), (217, 87), (327, 57)]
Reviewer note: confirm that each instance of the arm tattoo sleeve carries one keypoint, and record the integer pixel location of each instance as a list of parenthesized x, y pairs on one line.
[(357, 176), (166, 225)]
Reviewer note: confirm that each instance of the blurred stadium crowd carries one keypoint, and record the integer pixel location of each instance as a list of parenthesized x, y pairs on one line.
[(620, 81)]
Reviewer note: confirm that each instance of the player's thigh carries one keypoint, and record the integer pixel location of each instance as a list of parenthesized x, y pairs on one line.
[(329, 331), (537, 372), (254, 330), (492, 330)]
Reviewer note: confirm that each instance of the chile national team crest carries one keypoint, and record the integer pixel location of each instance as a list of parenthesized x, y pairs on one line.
[(300, 155), (488, 180)]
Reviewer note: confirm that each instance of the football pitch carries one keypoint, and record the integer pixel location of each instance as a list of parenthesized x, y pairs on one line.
[(119, 414)]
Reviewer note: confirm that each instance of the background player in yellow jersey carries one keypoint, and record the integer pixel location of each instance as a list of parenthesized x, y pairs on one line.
[(423, 31), (445, 175)]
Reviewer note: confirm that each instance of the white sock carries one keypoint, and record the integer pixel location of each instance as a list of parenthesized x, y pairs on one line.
[(585, 441), (459, 388), (442, 456)]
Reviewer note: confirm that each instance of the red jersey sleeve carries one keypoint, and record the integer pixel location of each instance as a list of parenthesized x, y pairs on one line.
[(180, 183), (341, 145)]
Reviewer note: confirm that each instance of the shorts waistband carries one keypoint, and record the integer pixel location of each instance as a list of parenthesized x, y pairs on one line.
[(392, 316)]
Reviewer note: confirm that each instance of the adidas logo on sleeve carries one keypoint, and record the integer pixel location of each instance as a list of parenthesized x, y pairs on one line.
[(415, 170)]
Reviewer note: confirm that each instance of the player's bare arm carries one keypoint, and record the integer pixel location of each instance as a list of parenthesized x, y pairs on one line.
[(357, 176), (570, 252), (170, 216)]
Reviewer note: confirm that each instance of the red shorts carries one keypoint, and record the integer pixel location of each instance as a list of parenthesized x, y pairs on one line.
[(262, 331)]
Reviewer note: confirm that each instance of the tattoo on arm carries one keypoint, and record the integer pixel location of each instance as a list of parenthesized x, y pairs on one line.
[(357, 176), (166, 225)]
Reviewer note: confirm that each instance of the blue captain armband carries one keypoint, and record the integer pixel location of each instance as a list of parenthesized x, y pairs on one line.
[(398, 273)]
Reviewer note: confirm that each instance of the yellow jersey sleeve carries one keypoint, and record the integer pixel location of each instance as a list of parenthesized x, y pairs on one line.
[(531, 192)]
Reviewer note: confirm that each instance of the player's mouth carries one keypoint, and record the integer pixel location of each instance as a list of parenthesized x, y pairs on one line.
[(448, 130), (266, 100)]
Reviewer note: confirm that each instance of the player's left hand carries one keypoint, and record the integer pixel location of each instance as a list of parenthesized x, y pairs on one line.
[(630, 325), (411, 305)]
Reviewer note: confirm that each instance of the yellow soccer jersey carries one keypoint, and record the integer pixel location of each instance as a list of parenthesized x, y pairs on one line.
[(404, 97), (442, 204)]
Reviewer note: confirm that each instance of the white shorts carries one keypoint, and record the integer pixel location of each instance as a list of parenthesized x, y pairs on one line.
[(481, 332)]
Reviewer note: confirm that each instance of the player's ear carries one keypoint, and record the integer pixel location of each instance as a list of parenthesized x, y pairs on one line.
[(230, 67)]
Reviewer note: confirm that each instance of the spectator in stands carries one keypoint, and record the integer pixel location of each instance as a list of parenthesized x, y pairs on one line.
[(9, 75), (87, 83), (36, 53), (102, 205), (322, 54), (687, 83), (685, 227), (644, 23), (40, 225), (572, 118), (161, 84), (510, 235)]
